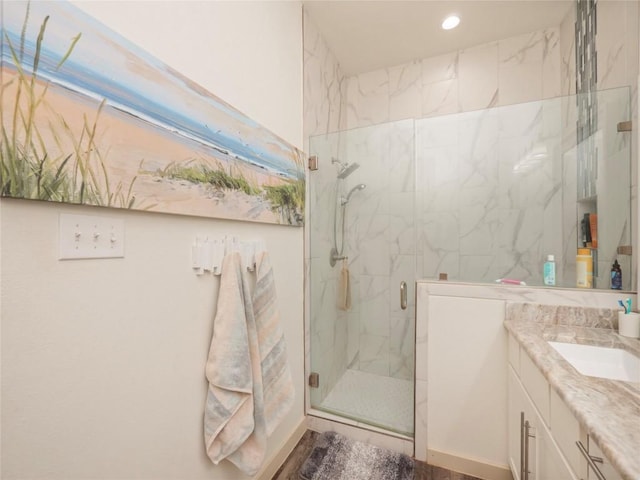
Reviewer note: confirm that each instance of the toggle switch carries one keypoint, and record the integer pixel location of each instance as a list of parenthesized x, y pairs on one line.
[(85, 236)]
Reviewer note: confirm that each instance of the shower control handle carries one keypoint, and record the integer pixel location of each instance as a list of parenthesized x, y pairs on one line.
[(403, 295)]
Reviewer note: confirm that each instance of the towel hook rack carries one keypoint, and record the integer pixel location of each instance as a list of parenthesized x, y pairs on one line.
[(207, 254)]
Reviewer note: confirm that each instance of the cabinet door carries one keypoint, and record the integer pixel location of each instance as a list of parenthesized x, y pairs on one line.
[(545, 462), (514, 409), (466, 417), (551, 465)]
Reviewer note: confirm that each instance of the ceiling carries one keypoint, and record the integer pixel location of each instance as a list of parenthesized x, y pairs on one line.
[(367, 35)]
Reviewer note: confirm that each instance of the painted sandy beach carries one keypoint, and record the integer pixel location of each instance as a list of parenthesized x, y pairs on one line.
[(106, 144)]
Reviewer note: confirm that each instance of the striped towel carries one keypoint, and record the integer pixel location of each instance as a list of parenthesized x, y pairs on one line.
[(250, 386), (277, 384)]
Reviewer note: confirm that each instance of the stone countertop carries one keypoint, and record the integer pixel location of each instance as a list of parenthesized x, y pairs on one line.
[(609, 410)]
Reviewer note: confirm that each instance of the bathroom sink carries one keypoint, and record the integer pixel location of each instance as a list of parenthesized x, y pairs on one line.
[(604, 362)]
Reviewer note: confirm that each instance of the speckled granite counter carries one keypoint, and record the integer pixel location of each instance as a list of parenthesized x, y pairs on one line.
[(609, 410)]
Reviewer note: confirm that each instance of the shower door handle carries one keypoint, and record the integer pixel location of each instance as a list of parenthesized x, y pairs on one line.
[(403, 295)]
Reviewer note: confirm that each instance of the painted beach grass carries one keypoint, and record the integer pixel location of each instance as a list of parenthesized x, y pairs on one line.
[(89, 118)]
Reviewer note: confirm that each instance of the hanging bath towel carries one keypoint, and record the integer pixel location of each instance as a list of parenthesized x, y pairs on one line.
[(277, 383), (250, 385), (234, 421)]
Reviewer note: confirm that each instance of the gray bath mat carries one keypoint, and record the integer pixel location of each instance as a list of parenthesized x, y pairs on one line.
[(335, 457)]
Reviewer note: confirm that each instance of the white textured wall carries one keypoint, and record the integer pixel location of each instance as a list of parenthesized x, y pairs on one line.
[(103, 360)]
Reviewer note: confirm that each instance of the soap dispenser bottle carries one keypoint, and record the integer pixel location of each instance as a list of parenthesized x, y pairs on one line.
[(616, 276), (549, 271)]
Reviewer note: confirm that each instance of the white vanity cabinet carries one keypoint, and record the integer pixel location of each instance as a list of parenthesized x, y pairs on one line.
[(543, 434)]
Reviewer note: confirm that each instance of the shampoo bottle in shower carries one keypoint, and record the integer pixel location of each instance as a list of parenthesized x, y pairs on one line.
[(549, 271), (584, 268)]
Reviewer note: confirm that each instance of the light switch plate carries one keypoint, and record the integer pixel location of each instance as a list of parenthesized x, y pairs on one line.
[(85, 236)]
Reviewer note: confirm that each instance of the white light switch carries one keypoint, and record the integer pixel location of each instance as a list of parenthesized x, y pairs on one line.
[(84, 236)]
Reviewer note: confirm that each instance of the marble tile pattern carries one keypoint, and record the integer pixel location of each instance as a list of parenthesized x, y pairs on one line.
[(513, 70), (571, 316), (324, 88), (379, 241), (375, 335), (525, 68), (568, 79), (609, 410), (490, 197)]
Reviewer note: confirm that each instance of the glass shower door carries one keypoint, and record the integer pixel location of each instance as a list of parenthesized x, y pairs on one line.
[(362, 247)]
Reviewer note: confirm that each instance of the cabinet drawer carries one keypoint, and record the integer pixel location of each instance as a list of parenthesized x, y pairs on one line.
[(536, 385), (514, 354)]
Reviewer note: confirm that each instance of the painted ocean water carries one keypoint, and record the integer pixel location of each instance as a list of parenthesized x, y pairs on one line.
[(106, 65), (118, 76)]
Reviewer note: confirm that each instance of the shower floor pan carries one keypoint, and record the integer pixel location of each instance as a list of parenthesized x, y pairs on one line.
[(383, 402)]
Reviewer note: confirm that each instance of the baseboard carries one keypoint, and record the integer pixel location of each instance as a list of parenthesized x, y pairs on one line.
[(468, 466), (275, 462)]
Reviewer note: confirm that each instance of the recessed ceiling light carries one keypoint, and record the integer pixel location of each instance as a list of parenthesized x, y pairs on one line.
[(450, 22)]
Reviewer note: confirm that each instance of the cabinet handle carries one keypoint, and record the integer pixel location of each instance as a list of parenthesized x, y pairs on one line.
[(591, 461), (522, 446), (527, 436), (403, 295)]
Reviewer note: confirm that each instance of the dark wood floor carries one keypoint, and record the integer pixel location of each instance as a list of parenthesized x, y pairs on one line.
[(289, 470)]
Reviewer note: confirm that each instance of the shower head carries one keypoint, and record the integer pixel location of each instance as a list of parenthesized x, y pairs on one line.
[(345, 168), (360, 186)]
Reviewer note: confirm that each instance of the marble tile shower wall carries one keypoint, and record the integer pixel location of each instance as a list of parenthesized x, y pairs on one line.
[(324, 92), (526, 68), (489, 188), (381, 249), (617, 44), (324, 86), (515, 70), (617, 53), (485, 76)]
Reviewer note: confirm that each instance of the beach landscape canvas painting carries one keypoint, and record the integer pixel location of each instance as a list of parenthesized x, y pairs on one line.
[(90, 118)]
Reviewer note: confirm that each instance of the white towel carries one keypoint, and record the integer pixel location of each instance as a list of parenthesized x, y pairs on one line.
[(250, 387), (344, 288)]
